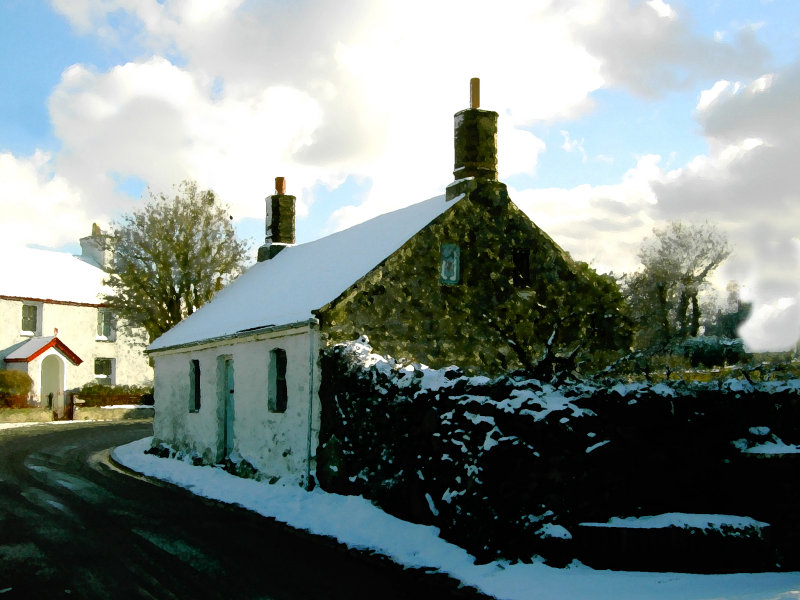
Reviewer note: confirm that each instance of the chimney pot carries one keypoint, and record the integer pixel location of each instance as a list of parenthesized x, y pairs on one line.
[(475, 92), (280, 185)]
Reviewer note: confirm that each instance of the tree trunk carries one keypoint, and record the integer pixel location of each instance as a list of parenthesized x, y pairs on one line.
[(695, 325), (681, 318), (663, 311)]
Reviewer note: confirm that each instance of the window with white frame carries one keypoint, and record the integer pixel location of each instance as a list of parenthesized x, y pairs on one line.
[(104, 370), (106, 325), (31, 319)]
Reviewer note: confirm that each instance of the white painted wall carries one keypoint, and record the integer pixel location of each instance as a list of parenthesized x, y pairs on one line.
[(77, 328), (277, 444)]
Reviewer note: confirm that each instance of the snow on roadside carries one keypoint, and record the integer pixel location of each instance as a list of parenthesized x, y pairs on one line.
[(359, 524), (682, 520)]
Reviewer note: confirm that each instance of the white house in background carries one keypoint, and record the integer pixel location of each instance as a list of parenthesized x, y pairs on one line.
[(54, 327)]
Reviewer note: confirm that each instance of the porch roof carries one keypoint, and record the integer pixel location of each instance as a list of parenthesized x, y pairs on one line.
[(36, 346)]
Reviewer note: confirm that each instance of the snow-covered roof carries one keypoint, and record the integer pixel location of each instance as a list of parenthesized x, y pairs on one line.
[(302, 278), (50, 275)]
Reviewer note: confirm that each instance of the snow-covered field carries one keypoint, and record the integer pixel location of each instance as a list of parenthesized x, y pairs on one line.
[(358, 524)]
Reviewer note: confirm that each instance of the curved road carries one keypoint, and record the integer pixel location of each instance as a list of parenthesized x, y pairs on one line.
[(73, 526)]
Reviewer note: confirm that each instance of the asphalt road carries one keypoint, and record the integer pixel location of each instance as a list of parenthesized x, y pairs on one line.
[(74, 526)]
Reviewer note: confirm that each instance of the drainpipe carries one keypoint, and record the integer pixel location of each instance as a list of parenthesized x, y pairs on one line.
[(312, 327)]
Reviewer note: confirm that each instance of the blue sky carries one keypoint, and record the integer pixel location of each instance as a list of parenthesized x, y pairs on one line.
[(616, 117)]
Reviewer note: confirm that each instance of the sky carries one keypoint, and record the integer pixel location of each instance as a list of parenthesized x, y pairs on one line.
[(615, 117)]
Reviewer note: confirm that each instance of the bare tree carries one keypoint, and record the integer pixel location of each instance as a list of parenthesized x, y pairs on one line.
[(663, 296), (170, 257)]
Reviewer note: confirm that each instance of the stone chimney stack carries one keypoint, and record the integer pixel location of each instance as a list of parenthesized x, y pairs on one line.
[(279, 222), (475, 143)]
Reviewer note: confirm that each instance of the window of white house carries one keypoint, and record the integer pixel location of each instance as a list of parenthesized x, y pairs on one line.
[(194, 386), (104, 370), (31, 314), (106, 325), (450, 264), (277, 398)]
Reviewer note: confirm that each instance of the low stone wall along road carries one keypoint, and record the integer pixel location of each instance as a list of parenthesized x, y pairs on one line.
[(72, 525)]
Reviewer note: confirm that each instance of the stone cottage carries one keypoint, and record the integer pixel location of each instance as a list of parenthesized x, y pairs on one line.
[(464, 278), (54, 327)]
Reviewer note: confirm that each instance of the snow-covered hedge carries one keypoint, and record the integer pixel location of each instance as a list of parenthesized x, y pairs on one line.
[(505, 467)]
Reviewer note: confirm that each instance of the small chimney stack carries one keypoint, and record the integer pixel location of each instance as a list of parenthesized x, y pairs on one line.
[(279, 222), (475, 142), (94, 248)]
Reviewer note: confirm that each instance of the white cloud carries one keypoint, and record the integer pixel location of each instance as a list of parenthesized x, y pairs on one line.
[(156, 121), (662, 9), (39, 207), (601, 225), (572, 145), (650, 48)]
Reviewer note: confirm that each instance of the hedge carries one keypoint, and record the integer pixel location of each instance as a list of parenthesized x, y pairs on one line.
[(15, 386), (508, 467), (96, 394)]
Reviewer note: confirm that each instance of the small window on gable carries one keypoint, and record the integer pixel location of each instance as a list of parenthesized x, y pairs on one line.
[(106, 325), (194, 386), (277, 398), (522, 268), (450, 264), (104, 370), (30, 319)]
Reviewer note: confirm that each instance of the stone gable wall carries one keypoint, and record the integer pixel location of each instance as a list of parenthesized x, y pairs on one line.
[(485, 323)]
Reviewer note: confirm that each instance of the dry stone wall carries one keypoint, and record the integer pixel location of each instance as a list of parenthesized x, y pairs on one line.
[(509, 466)]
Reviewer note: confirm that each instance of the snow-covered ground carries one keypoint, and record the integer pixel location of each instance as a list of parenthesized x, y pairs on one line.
[(358, 524)]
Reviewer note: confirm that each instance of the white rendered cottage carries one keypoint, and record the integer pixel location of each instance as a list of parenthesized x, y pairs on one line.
[(241, 374), (54, 327)]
